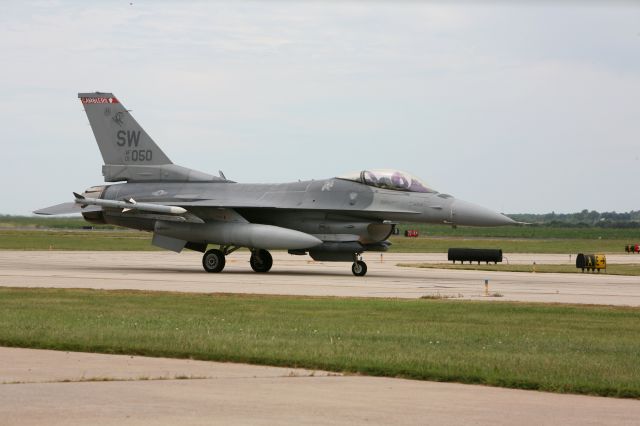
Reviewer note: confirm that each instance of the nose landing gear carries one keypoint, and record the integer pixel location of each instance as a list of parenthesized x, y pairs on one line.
[(359, 268)]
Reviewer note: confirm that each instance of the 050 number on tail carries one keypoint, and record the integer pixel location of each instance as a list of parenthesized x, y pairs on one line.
[(138, 155)]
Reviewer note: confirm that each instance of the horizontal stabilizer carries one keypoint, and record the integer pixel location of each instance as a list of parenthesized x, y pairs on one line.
[(67, 208)]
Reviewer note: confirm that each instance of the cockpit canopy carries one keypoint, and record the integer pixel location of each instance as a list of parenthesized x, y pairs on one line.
[(389, 179)]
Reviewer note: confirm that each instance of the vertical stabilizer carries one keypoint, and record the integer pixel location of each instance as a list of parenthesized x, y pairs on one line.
[(120, 138)]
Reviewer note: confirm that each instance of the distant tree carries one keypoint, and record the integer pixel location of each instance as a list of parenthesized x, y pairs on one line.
[(584, 218)]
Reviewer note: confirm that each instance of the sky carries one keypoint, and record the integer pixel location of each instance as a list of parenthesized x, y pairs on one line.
[(520, 107)]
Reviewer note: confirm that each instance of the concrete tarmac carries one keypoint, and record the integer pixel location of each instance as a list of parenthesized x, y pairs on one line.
[(69, 388), (299, 275)]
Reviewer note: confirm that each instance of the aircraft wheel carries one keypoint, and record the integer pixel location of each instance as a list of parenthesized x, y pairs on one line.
[(359, 268), (213, 261), (261, 261)]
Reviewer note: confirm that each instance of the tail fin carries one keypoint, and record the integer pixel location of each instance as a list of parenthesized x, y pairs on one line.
[(120, 138)]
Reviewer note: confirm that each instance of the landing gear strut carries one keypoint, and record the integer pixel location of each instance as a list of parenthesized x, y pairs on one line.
[(261, 260), (359, 268)]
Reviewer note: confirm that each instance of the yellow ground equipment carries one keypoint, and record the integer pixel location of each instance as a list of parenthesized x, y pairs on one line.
[(591, 262)]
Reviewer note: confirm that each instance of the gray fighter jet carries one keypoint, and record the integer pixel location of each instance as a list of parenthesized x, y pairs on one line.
[(335, 219)]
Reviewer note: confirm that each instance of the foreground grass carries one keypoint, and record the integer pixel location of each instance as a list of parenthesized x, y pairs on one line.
[(140, 241), (558, 348), (612, 269)]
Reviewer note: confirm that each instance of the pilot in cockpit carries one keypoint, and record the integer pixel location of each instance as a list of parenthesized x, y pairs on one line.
[(399, 181), (389, 179)]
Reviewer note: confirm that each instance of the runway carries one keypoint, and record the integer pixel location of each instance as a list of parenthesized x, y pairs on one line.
[(299, 275), (51, 387), (67, 388)]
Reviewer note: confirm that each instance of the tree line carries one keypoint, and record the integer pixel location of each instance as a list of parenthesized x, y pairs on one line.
[(581, 219)]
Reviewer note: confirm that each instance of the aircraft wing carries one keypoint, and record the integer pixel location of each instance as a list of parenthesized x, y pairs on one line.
[(266, 204)]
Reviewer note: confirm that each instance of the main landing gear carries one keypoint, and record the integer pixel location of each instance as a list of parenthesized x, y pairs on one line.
[(261, 260), (214, 259), (359, 268)]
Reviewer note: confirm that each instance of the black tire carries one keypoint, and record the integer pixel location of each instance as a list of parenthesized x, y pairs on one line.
[(261, 261), (359, 268), (213, 261)]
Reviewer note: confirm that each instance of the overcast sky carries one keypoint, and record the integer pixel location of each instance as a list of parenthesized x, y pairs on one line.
[(520, 108)]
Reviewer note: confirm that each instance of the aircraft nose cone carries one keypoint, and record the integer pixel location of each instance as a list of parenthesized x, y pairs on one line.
[(465, 213)]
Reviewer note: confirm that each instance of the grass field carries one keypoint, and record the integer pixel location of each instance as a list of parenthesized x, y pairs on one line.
[(612, 269), (75, 240), (27, 239), (525, 245), (559, 348), (44, 233), (44, 222), (429, 230), (528, 231)]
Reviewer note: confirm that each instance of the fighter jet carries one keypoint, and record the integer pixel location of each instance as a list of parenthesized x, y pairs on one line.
[(332, 220)]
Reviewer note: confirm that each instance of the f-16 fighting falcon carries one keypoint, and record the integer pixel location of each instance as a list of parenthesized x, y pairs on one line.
[(332, 220)]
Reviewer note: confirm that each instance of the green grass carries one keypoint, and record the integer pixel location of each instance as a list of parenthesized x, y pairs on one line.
[(47, 222), (615, 269), (26, 239), (530, 245), (430, 230), (75, 240), (528, 231), (558, 348)]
